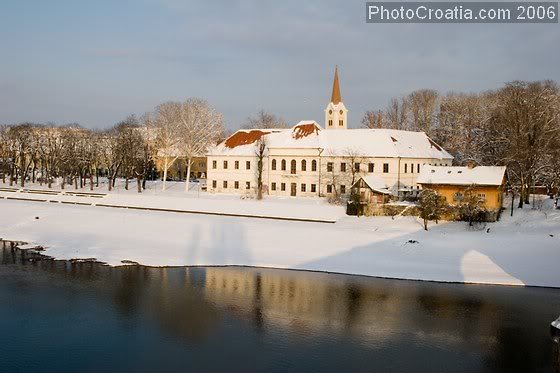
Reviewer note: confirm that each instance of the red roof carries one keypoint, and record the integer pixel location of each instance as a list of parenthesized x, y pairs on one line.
[(244, 138), (304, 130)]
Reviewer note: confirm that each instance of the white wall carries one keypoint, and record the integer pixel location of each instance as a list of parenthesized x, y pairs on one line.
[(321, 178)]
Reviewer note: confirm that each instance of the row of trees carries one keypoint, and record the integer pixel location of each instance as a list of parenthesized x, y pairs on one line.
[(517, 126), (130, 149)]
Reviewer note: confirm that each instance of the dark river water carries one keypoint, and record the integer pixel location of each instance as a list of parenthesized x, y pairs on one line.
[(64, 316)]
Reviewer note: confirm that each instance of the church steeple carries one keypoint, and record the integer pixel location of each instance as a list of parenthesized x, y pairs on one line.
[(335, 97), (335, 113)]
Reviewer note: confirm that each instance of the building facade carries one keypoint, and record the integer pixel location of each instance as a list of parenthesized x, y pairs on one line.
[(487, 183), (310, 160)]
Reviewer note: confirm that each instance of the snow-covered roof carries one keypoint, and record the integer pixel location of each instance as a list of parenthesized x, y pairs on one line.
[(375, 183), (452, 175), (361, 142)]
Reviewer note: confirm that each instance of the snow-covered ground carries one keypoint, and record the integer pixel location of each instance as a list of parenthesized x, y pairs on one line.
[(175, 198), (519, 250)]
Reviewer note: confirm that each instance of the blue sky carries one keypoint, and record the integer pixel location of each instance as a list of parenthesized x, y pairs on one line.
[(95, 62)]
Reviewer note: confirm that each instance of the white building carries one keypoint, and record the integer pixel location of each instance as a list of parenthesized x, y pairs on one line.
[(309, 160)]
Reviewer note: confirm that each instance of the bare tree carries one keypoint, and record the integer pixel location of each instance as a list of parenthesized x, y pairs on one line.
[(260, 153), (21, 141), (373, 119), (423, 110), (164, 125), (355, 159), (200, 126), (111, 154), (5, 152), (526, 124), (263, 120), (397, 113)]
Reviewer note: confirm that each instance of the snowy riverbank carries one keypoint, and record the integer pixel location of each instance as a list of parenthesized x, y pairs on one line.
[(519, 250)]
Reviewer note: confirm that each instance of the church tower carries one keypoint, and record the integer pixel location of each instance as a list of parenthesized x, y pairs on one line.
[(336, 112)]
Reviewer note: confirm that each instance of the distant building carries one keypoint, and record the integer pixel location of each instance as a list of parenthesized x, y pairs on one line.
[(309, 160), (487, 183)]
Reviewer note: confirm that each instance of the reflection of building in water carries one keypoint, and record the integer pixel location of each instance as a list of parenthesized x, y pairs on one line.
[(378, 311), (303, 300)]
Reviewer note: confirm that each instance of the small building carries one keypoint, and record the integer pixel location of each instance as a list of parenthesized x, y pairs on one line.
[(369, 193), (451, 182), (371, 190)]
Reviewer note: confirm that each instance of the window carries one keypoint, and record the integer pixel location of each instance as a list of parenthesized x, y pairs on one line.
[(214, 164), (283, 165), (329, 188), (274, 165), (357, 167), (313, 188), (329, 166), (225, 184), (385, 168), (304, 165), (458, 196), (303, 187), (330, 122), (314, 165), (343, 167), (273, 186), (225, 165), (237, 165), (247, 165), (481, 196), (343, 189), (411, 168), (370, 167), (247, 185), (293, 164), (283, 187), (201, 164), (405, 168), (214, 183), (236, 185), (340, 122), (418, 168)]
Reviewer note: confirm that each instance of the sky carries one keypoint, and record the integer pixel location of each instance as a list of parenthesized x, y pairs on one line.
[(96, 62)]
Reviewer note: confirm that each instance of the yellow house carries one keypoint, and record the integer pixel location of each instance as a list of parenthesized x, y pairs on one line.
[(179, 167), (487, 183)]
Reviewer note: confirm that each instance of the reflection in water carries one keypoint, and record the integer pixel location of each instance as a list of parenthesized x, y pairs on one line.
[(87, 315)]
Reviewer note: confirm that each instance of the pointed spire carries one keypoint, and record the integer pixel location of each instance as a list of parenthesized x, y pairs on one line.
[(335, 97)]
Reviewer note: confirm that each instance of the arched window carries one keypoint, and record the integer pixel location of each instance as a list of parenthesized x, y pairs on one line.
[(293, 167), (313, 165), (283, 165), (274, 164), (304, 165)]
